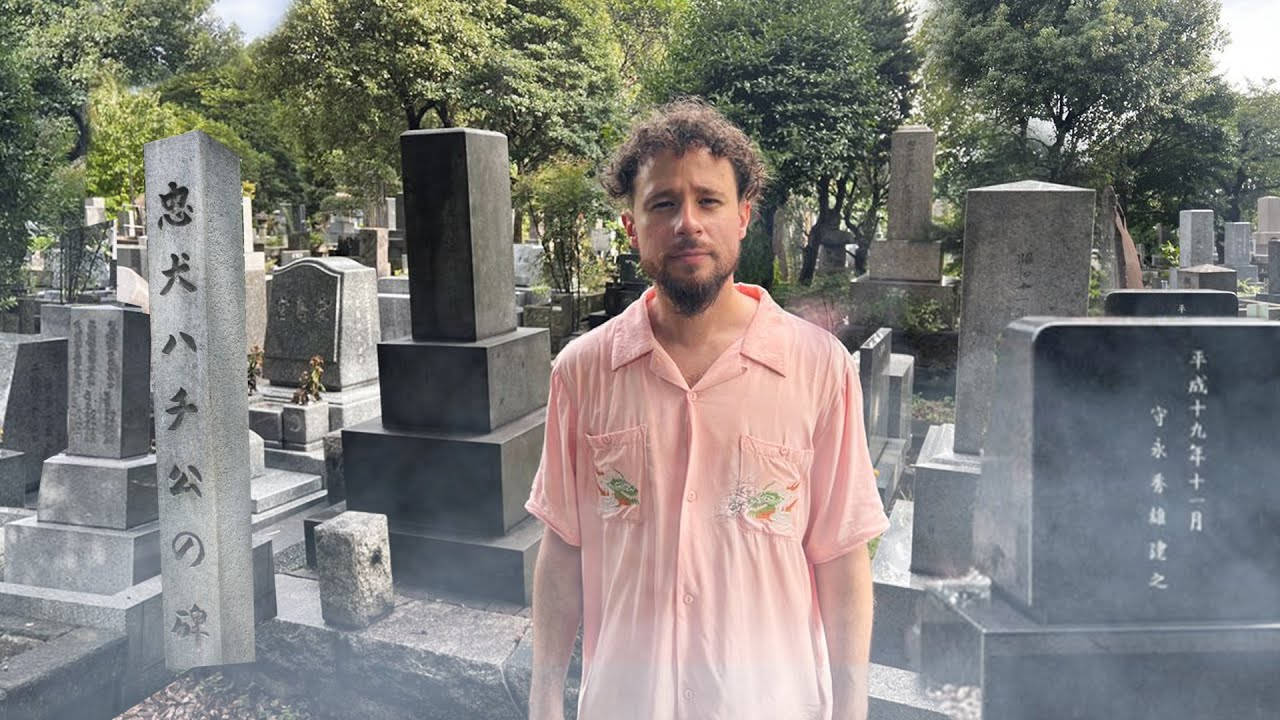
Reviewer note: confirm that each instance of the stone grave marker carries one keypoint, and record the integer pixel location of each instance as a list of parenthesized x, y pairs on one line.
[(1268, 223), (353, 561), (1195, 238), (1237, 249), (33, 400), (528, 263), (907, 253), (1207, 277), (452, 458), (326, 307), (1170, 303), (201, 409), (1027, 252), (372, 245)]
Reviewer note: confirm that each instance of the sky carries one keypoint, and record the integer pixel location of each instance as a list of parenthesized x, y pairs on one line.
[(1250, 54)]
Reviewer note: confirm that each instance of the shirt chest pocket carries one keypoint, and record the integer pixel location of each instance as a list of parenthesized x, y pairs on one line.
[(619, 467), (771, 481)]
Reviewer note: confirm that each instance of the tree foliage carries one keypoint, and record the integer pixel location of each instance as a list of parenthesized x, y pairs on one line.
[(818, 83)]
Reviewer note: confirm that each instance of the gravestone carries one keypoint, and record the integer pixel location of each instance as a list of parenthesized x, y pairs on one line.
[(1126, 520), (873, 372), (1273, 274), (1027, 252), (1170, 303), (255, 282), (326, 307), (1195, 238), (452, 458), (1207, 277), (198, 367), (95, 210), (907, 253), (1268, 223), (528, 264), (1107, 242), (33, 398), (1237, 250), (371, 246)]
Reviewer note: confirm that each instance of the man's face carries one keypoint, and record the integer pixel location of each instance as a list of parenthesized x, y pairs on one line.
[(687, 224)]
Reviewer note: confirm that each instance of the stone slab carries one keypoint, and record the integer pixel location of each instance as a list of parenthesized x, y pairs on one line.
[(899, 593), (482, 567), (83, 559), (393, 285), (55, 320), (902, 370), (1148, 525), (348, 406), (108, 382), (944, 491), (464, 387), (99, 492), (1207, 277), (15, 476), (1140, 671), (448, 482), (328, 307), (277, 487), (873, 372), (1027, 252), (394, 315), (257, 455), (33, 396), (74, 675), (309, 461), (334, 480), (1170, 303), (371, 247), (457, 192)]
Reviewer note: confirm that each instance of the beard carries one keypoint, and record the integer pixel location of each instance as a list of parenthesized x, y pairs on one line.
[(689, 294)]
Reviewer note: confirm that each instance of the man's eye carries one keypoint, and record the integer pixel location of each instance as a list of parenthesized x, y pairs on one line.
[(710, 201), (661, 204)]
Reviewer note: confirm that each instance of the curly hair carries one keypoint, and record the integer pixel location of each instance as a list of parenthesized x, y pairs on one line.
[(678, 127)]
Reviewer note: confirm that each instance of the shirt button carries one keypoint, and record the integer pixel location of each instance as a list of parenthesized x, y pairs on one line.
[(783, 451), (688, 694), (692, 496), (693, 395), (688, 599)]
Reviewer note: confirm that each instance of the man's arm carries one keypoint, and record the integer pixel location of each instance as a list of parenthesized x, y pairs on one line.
[(557, 611), (845, 599)]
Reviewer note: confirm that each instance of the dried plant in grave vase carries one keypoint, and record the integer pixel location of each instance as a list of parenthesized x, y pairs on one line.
[(309, 385)]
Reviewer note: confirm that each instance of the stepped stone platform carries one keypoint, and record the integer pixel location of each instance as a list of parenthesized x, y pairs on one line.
[(438, 656)]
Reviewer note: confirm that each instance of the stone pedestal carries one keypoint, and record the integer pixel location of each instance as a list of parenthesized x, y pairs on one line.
[(945, 489), (452, 458), (353, 561), (1207, 277), (873, 301)]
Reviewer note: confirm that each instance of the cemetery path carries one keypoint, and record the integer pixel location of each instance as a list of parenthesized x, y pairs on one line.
[(208, 694)]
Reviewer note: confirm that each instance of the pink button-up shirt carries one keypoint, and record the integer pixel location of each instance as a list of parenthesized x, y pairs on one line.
[(701, 511)]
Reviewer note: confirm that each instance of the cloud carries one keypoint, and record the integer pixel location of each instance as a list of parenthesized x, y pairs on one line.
[(1250, 52)]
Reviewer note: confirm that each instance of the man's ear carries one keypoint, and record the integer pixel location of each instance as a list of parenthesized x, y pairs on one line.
[(744, 218), (629, 224)]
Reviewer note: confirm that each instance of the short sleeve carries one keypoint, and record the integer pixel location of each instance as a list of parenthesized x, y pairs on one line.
[(845, 509), (554, 498)]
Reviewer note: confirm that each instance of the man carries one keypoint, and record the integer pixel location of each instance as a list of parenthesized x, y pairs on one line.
[(705, 479)]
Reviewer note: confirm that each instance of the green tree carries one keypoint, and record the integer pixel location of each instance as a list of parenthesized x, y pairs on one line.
[(644, 29), (801, 77), (1255, 150), (1067, 82)]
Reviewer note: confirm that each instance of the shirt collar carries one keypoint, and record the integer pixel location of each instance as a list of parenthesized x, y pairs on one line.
[(634, 335)]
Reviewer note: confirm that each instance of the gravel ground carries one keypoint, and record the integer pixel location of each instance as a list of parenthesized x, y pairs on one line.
[(212, 695)]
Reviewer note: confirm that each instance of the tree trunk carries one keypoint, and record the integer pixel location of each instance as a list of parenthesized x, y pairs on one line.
[(517, 227)]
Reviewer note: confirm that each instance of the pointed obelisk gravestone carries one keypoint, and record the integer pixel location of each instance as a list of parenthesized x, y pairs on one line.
[(464, 399), (197, 289)]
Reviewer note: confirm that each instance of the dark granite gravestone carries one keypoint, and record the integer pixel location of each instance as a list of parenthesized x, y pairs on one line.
[(1127, 520), (1124, 453), (1171, 303), (451, 460)]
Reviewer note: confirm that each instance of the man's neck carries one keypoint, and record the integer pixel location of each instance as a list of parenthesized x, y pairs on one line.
[(730, 312)]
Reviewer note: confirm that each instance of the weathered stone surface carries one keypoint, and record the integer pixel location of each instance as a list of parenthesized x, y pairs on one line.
[(197, 286), (353, 559), (304, 424), (333, 476), (1027, 253), (84, 559), (15, 476), (73, 676), (257, 455), (55, 320), (907, 254), (902, 371), (1207, 277), (109, 382), (255, 300), (1237, 244), (33, 397), (873, 372), (102, 492), (458, 232), (528, 263), (945, 486), (1155, 303), (326, 307), (394, 317), (264, 420), (372, 246), (393, 285), (1195, 238)]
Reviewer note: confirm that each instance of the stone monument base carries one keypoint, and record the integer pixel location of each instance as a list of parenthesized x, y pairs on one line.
[(1135, 671), (886, 302), (945, 490), (348, 406), (900, 260)]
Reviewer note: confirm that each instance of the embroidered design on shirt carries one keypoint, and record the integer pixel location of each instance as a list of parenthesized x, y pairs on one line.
[(769, 506), (615, 492)]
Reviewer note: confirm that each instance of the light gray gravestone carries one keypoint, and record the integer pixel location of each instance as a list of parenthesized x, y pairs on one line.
[(528, 263), (1195, 238), (372, 245), (907, 254), (326, 307), (1027, 247), (1268, 223), (201, 409), (353, 561), (108, 382), (1237, 249), (33, 408)]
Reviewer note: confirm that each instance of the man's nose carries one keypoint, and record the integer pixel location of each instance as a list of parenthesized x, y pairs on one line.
[(687, 222)]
